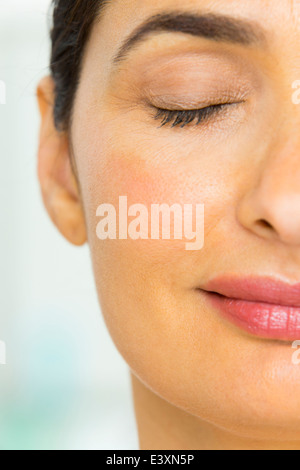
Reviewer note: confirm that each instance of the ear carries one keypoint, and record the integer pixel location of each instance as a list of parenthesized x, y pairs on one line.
[(58, 184)]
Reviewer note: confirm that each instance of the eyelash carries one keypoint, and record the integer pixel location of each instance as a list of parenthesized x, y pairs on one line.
[(185, 117)]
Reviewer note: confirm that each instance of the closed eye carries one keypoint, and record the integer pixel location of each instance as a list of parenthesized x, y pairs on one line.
[(184, 117)]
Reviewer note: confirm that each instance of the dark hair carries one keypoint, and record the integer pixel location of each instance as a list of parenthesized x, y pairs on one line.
[(72, 24)]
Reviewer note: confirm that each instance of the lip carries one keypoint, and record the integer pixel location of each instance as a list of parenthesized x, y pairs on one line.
[(263, 307)]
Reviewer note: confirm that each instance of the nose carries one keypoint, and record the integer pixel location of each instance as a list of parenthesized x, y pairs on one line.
[(271, 208)]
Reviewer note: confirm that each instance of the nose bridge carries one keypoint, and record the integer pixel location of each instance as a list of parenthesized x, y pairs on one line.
[(281, 176), (279, 190), (270, 205), (271, 208)]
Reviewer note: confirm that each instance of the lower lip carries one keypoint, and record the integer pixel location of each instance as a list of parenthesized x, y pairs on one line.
[(264, 320)]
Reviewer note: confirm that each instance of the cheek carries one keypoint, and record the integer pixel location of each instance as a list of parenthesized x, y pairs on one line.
[(149, 175), (134, 175), (148, 185)]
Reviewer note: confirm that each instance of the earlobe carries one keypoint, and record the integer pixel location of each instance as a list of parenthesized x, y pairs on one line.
[(58, 184)]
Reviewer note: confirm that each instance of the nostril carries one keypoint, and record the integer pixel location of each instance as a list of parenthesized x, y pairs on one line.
[(264, 224)]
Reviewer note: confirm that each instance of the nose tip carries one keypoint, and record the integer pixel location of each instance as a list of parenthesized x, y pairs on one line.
[(270, 206), (282, 219), (273, 218)]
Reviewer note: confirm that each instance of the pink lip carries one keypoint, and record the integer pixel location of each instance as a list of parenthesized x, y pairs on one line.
[(261, 306)]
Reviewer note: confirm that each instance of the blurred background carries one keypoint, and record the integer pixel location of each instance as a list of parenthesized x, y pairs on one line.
[(64, 385)]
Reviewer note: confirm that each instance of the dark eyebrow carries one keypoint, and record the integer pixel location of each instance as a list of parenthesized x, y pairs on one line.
[(209, 26)]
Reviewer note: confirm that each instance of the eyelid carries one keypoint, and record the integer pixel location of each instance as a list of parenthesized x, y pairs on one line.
[(197, 107), (172, 102), (185, 117)]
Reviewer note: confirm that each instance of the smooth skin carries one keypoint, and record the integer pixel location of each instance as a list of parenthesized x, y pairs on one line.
[(198, 381)]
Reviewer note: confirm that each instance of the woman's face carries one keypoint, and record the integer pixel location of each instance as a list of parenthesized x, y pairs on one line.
[(242, 161)]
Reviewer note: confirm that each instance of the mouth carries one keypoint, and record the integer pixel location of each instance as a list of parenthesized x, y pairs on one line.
[(263, 307)]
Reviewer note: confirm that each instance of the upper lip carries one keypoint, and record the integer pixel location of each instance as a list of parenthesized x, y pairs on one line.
[(256, 289)]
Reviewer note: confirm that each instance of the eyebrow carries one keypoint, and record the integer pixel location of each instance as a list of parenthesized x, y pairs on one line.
[(210, 26)]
